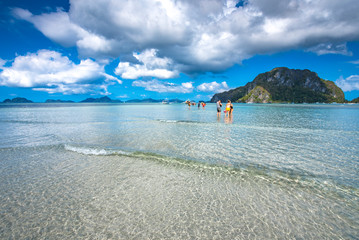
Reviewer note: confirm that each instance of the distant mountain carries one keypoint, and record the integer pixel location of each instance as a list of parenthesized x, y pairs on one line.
[(17, 100), (147, 100), (176, 100), (58, 101), (355, 100), (151, 100), (100, 100), (94, 100), (284, 85)]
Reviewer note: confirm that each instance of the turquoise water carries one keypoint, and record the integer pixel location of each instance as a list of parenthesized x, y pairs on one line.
[(155, 171)]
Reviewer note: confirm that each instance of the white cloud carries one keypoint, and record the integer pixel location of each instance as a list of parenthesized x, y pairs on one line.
[(123, 96), (151, 66), (203, 97), (58, 27), (201, 35), (158, 86), (330, 48), (51, 72), (348, 84), (2, 62), (213, 87), (355, 62)]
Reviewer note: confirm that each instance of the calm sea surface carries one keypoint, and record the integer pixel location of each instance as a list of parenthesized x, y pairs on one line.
[(154, 171)]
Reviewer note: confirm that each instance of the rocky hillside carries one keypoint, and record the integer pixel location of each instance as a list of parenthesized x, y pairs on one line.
[(284, 85), (257, 95), (356, 100)]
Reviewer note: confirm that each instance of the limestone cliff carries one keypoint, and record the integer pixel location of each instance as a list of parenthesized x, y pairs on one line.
[(285, 85)]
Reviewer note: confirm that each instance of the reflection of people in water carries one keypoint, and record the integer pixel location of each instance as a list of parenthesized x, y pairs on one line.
[(228, 119)]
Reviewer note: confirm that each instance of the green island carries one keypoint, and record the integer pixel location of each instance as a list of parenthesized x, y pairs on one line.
[(284, 85)]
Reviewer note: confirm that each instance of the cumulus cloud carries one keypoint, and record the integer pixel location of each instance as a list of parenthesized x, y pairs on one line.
[(161, 87), (348, 84), (203, 35), (150, 66), (213, 87), (58, 27), (51, 72)]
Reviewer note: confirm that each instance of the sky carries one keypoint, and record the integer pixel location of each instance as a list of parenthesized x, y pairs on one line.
[(136, 49)]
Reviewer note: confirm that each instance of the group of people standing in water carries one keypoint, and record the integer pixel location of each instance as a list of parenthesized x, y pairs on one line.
[(189, 103), (228, 110)]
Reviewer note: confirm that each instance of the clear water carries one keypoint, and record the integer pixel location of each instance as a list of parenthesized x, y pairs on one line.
[(127, 171)]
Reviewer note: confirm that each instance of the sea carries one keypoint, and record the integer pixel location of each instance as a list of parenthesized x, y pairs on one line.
[(167, 171)]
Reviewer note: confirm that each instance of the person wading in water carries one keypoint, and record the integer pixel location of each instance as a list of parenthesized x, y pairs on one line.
[(219, 105)]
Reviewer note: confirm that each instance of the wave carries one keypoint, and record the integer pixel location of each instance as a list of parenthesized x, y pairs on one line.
[(261, 173), (177, 121), (25, 122), (95, 151), (167, 121)]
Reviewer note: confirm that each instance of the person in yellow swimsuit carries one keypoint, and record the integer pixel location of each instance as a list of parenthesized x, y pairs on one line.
[(228, 108)]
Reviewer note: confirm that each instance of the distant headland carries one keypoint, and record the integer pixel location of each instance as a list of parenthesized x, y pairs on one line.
[(284, 85)]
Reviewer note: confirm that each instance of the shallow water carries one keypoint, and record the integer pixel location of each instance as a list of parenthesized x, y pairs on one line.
[(166, 172)]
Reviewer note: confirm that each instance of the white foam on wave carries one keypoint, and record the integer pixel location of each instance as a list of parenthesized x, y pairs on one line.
[(87, 151), (168, 121), (94, 151)]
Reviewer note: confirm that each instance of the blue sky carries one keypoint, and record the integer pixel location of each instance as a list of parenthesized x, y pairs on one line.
[(183, 49)]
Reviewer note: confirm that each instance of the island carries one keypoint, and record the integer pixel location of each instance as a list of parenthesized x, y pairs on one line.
[(284, 85), (100, 100), (17, 100), (58, 101)]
